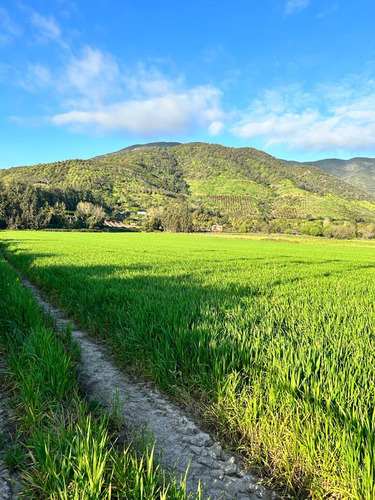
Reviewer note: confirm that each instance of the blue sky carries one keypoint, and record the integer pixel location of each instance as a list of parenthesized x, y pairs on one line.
[(295, 78)]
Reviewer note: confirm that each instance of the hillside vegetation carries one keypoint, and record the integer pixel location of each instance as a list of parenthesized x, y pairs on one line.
[(240, 188), (357, 171)]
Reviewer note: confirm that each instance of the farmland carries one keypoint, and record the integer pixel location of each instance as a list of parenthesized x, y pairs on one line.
[(273, 340), (59, 444)]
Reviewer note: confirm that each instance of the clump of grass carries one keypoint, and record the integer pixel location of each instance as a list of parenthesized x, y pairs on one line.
[(14, 456), (64, 450)]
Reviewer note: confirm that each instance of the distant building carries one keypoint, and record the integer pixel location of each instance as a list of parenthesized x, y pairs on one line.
[(216, 228), (141, 212)]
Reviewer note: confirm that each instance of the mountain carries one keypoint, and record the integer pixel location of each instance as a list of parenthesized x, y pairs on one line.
[(147, 145), (358, 171), (234, 183)]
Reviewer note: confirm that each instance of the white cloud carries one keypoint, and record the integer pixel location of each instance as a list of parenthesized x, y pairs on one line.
[(89, 79), (343, 117), (97, 95), (216, 128), (37, 76), (172, 113), (296, 5), (41, 73), (47, 28), (145, 81)]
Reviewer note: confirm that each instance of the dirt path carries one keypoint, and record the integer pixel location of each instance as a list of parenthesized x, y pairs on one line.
[(177, 436)]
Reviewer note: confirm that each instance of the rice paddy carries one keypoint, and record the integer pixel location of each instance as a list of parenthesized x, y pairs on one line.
[(63, 448), (272, 340)]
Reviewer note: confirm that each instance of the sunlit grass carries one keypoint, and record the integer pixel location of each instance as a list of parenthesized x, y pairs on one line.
[(274, 340), (64, 450)]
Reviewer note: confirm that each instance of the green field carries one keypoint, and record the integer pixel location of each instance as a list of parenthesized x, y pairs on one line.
[(273, 339), (61, 446)]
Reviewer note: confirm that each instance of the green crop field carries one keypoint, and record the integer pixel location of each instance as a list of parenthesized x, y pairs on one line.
[(61, 446), (274, 340)]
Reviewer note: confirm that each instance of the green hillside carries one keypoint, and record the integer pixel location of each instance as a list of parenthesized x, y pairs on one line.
[(231, 184), (359, 172)]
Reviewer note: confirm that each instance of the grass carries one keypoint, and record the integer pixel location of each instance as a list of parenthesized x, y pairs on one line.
[(64, 449), (273, 340), (291, 238)]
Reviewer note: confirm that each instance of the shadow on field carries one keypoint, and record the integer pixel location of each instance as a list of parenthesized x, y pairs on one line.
[(176, 329), (100, 286), (183, 317)]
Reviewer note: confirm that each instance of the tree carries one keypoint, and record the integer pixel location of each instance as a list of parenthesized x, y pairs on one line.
[(345, 230), (366, 230), (177, 219), (90, 215), (24, 206), (312, 228), (60, 215), (154, 220)]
